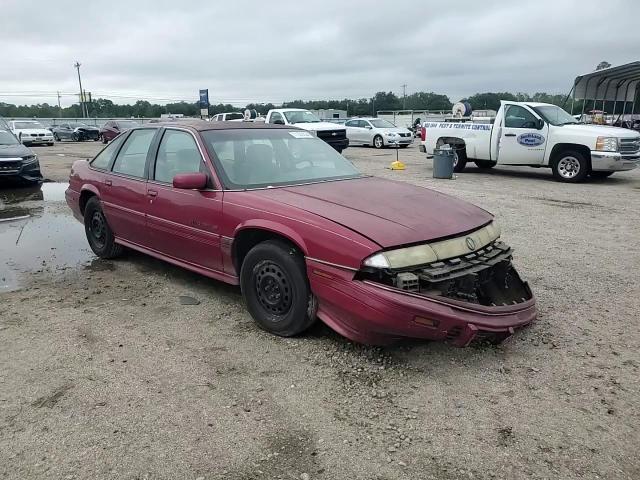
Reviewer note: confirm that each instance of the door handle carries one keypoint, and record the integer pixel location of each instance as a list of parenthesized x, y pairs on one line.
[(108, 183), (152, 193), (509, 134)]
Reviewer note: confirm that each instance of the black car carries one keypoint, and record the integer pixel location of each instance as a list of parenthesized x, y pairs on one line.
[(77, 132), (17, 162)]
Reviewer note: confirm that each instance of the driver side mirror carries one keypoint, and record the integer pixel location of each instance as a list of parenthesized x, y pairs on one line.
[(369, 127), (190, 181), (278, 122), (540, 124)]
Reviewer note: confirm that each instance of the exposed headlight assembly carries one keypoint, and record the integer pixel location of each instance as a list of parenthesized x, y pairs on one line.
[(434, 252), (607, 144), (29, 159)]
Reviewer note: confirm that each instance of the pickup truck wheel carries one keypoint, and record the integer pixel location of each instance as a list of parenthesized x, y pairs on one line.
[(276, 289), (485, 164), (459, 160), (601, 174), (99, 235), (570, 166), (378, 142)]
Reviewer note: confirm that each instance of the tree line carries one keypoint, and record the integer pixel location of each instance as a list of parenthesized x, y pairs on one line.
[(105, 108)]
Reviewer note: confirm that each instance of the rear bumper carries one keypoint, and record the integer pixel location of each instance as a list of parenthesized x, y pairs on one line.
[(374, 314), (613, 161)]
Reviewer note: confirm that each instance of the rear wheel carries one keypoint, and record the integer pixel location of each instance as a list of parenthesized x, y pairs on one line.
[(601, 174), (485, 164), (104, 139), (75, 137), (99, 234), (378, 142), (56, 137), (570, 166), (276, 289)]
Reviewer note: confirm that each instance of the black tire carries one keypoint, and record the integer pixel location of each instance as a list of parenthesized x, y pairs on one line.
[(485, 164), (601, 174), (461, 159), (570, 166), (75, 137), (56, 137), (99, 234), (104, 139), (276, 289), (404, 146), (378, 141), (50, 144)]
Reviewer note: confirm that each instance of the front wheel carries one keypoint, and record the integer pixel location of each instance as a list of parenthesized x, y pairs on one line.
[(75, 137), (276, 289), (104, 139), (99, 235), (56, 137), (378, 142), (570, 166), (601, 174)]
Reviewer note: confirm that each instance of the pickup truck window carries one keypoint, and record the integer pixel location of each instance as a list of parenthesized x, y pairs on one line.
[(519, 117), (554, 115), (301, 116), (275, 116)]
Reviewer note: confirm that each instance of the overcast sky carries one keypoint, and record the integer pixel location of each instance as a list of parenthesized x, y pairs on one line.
[(274, 51)]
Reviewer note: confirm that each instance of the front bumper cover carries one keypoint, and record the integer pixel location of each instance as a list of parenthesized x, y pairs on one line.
[(376, 314), (613, 161)]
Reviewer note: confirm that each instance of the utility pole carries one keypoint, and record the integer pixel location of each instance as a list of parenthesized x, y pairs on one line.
[(77, 65), (59, 107), (404, 96)]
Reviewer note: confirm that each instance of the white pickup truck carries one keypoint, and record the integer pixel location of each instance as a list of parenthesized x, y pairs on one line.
[(537, 135), (332, 133)]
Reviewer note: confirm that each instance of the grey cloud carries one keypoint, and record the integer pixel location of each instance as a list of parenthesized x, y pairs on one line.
[(276, 51)]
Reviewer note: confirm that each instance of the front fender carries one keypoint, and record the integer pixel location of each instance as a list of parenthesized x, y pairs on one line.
[(274, 227)]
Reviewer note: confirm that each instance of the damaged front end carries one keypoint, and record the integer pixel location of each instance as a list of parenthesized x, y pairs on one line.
[(475, 268)]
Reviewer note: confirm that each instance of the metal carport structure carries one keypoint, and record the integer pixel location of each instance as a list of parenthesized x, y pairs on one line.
[(614, 84)]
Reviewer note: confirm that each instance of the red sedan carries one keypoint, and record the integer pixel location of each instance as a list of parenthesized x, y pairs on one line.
[(303, 233)]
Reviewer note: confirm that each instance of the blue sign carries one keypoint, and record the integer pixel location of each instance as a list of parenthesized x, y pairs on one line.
[(204, 98), (530, 139)]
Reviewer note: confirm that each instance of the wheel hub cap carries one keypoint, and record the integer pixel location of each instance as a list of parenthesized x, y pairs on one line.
[(98, 227), (568, 167), (273, 288)]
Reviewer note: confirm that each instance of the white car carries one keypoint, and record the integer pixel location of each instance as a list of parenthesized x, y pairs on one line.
[(333, 134), (30, 132), (228, 117), (377, 132)]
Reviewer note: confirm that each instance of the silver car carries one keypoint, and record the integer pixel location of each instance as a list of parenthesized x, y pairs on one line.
[(377, 132)]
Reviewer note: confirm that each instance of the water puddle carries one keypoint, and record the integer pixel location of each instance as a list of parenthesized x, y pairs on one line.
[(38, 234)]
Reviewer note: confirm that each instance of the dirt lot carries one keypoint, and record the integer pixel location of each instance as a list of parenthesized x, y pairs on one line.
[(104, 373)]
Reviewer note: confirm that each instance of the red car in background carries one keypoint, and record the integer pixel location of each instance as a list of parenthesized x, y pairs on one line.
[(113, 128), (303, 232)]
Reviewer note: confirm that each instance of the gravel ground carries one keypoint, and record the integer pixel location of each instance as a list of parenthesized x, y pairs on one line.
[(105, 373)]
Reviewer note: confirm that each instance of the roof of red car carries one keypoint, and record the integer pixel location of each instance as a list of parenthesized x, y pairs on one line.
[(202, 125)]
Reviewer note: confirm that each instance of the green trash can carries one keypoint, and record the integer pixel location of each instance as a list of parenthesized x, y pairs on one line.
[(443, 158)]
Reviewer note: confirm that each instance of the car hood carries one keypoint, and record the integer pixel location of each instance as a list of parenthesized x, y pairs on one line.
[(33, 130), (387, 212), (319, 126), (13, 151), (601, 130)]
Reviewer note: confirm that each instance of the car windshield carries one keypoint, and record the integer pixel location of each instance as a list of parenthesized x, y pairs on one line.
[(78, 125), (254, 158), (554, 115), (7, 138), (127, 124), (300, 116), (24, 125), (379, 123)]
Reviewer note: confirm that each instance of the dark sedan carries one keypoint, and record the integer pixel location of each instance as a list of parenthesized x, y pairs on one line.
[(303, 232), (76, 132), (113, 128), (18, 164)]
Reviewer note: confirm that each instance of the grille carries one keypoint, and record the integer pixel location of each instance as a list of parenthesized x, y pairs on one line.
[(405, 134), (629, 145), (332, 134), (9, 167)]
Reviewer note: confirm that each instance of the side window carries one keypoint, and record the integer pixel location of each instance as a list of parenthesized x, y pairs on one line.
[(276, 116), (178, 153), (105, 157), (351, 123), (519, 117), (133, 155)]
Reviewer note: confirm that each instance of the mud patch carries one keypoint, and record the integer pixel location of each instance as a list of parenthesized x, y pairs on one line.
[(554, 202), (51, 400)]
